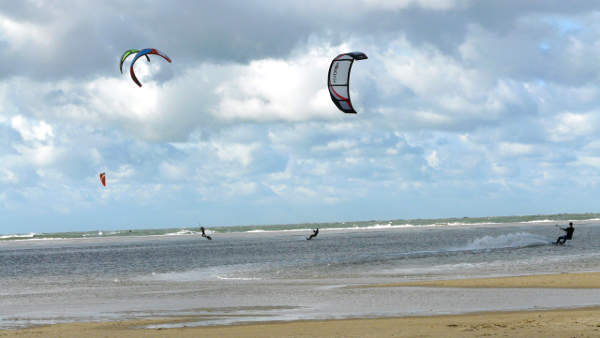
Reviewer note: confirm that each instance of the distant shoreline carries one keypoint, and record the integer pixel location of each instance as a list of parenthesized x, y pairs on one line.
[(331, 226)]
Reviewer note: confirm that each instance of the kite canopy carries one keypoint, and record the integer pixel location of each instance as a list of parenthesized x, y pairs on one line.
[(126, 55), (103, 179), (145, 52), (338, 80)]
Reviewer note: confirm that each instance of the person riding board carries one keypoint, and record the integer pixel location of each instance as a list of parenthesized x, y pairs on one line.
[(568, 236), (314, 234), (205, 235)]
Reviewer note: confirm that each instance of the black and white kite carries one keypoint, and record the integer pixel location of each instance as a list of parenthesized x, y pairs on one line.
[(338, 80)]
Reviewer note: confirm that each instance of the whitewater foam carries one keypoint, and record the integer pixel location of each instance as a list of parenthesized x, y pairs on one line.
[(19, 236), (539, 221), (512, 240), (238, 278), (181, 233), (229, 272)]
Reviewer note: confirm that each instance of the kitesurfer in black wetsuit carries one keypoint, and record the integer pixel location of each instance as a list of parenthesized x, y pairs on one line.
[(568, 236), (205, 235), (314, 234)]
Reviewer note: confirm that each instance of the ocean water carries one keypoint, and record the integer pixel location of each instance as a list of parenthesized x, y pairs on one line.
[(273, 273)]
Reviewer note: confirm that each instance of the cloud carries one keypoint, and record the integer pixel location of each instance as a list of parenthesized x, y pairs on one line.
[(427, 4), (30, 132), (235, 152), (173, 171), (490, 103), (514, 149), (269, 89), (433, 160), (569, 126)]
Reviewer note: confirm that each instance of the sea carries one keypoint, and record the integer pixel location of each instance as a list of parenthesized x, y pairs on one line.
[(272, 273)]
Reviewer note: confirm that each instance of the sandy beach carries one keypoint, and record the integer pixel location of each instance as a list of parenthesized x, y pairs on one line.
[(553, 323), (581, 322)]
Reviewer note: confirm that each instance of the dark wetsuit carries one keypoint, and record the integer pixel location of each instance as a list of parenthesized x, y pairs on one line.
[(568, 236), (205, 235), (315, 233)]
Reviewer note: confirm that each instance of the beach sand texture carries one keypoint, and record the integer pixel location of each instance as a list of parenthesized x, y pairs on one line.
[(552, 323), (582, 322), (587, 280)]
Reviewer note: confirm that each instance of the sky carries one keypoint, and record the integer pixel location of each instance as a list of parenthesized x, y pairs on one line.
[(465, 108)]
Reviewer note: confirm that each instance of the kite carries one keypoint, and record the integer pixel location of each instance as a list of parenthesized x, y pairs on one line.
[(338, 80), (126, 55), (142, 53), (103, 179)]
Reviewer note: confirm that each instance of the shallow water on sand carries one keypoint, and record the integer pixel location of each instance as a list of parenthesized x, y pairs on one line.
[(280, 276)]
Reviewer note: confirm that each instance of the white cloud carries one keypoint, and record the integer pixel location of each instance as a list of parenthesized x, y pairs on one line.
[(593, 161), (173, 171), (306, 192), (23, 34), (433, 160), (432, 119), (337, 145), (568, 126), (241, 153), (428, 4), (240, 188), (7, 176), (122, 173), (514, 149), (500, 170), (457, 95), (270, 89), (39, 155), (30, 131), (37, 146)]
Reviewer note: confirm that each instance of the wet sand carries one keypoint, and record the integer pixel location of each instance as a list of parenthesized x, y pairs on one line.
[(540, 323), (553, 323)]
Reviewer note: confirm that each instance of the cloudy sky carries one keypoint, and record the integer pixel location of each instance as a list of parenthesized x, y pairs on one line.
[(466, 108)]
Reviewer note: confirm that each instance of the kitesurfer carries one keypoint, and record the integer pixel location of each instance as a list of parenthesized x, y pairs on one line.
[(314, 234), (205, 235), (568, 236)]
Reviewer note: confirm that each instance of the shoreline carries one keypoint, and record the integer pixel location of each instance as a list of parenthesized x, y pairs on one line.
[(555, 322), (527, 323)]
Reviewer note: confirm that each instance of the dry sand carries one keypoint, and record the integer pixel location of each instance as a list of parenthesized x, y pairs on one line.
[(584, 322)]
